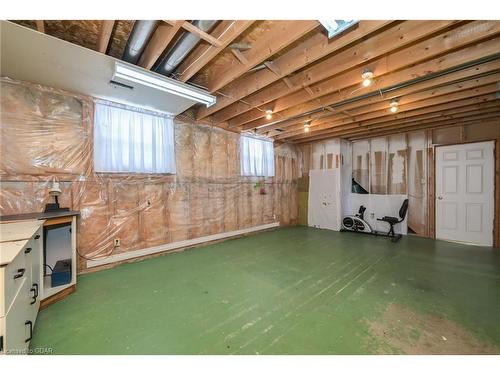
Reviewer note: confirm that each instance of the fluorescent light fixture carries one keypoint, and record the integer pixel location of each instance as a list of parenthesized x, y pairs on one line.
[(335, 27), (127, 74)]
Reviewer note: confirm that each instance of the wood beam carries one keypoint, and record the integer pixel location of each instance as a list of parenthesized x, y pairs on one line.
[(380, 108), (162, 37), (341, 86), (437, 115), (40, 26), (457, 115), (474, 52), (239, 56), (489, 117), (446, 108), (226, 32), (305, 53), (356, 56), (279, 35), (444, 82), (105, 35), (201, 34)]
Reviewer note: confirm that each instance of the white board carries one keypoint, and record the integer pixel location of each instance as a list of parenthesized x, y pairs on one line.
[(324, 208)]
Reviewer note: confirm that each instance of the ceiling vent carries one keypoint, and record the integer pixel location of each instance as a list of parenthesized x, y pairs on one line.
[(335, 27)]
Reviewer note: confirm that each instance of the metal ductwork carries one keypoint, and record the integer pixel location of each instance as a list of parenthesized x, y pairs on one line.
[(138, 39), (181, 48)]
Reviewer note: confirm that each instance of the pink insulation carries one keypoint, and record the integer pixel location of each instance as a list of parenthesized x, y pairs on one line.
[(46, 134)]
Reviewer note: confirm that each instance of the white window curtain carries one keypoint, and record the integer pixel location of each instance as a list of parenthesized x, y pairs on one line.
[(132, 140), (256, 157)]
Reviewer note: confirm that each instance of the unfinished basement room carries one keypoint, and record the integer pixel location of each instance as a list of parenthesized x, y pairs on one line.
[(256, 187)]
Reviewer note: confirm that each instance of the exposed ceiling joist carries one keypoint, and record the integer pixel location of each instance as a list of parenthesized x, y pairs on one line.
[(162, 37), (359, 54), (342, 76), (199, 33), (40, 26), (381, 107), (279, 35), (226, 32), (483, 122), (304, 104), (239, 56), (488, 118), (460, 109), (437, 108), (450, 78), (301, 55), (105, 35)]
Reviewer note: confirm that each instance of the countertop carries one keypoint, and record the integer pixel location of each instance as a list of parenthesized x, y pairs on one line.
[(14, 236), (38, 215)]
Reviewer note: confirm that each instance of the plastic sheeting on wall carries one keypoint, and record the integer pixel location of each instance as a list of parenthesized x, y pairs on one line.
[(46, 134)]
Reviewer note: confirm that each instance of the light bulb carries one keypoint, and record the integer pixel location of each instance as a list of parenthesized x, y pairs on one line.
[(394, 105), (269, 114), (367, 76), (306, 129)]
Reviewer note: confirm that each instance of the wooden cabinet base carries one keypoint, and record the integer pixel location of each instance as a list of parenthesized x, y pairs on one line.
[(57, 297)]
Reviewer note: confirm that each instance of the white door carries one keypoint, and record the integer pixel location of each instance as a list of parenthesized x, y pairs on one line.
[(465, 193)]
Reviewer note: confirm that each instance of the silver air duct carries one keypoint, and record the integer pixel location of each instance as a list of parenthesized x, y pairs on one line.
[(181, 48), (138, 39)]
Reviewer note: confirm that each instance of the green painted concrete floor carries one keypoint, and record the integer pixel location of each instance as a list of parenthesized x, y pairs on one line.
[(294, 290)]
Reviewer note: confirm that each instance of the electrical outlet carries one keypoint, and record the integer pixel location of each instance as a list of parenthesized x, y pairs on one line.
[(117, 242)]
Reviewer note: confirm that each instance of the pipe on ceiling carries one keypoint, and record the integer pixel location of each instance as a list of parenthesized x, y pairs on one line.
[(139, 37), (388, 89), (186, 42)]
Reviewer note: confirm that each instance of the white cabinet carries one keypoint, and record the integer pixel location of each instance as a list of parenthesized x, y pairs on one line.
[(20, 275)]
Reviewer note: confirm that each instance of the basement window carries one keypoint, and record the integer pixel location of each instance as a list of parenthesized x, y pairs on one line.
[(132, 140), (256, 157)]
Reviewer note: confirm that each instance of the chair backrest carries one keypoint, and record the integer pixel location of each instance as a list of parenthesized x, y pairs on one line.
[(361, 212), (403, 209)]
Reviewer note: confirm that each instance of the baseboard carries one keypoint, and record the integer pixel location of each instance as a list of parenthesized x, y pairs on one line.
[(175, 245)]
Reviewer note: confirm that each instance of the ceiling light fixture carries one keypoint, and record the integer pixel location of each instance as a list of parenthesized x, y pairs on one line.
[(307, 124), (269, 114), (367, 76), (394, 105), (127, 74)]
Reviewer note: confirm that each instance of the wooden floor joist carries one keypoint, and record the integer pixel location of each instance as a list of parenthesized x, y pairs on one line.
[(381, 110), (421, 89), (104, 35), (386, 74), (305, 53), (226, 32), (293, 67), (162, 37), (401, 35)]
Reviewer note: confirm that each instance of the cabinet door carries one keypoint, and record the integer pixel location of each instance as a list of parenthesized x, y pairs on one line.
[(17, 323), (13, 276), (34, 264)]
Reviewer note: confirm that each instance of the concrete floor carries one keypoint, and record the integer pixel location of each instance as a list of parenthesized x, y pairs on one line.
[(290, 291)]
